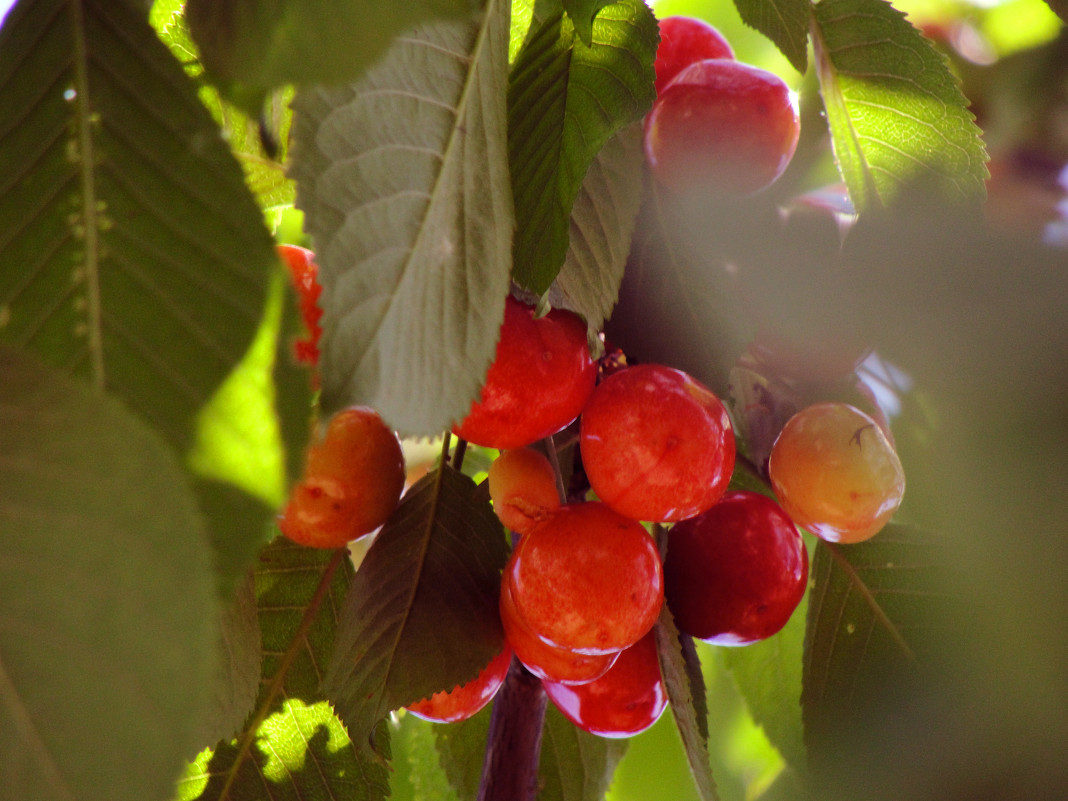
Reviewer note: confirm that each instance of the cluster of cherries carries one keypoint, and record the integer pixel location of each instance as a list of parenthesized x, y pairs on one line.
[(586, 579)]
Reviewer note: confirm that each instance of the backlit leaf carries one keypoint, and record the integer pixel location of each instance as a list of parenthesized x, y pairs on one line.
[(785, 22)]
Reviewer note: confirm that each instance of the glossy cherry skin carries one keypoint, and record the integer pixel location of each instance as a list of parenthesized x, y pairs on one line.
[(721, 129), (836, 473), (656, 444), (522, 486), (538, 383), (625, 701), (352, 481), (304, 273), (587, 579), (463, 701), (543, 660), (684, 41), (734, 574)]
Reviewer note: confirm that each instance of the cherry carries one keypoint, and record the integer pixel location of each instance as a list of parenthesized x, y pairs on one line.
[(735, 573), (522, 485), (656, 444), (304, 273), (625, 701), (721, 128), (587, 579), (543, 660), (352, 481), (836, 473), (683, 41), (464, 700), (538, 382)]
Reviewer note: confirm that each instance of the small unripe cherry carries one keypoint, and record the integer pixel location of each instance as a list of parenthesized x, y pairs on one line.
[(836, 473), (538, 383), (626, 700), (684, 41), (352, 481), (465, 700), (721, 128), (522, 486)]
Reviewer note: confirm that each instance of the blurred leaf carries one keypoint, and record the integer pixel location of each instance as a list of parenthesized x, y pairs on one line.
[(768, 675), (582, 13), (110, 617), (294, 745), (895, 110), (686, 698), (785, 22), (425, 774), (1060, 8), (250, 46), (140, 267), (565, 101), (403, 179), (421, 615), (602, 226), (461, 748), (575, 765)]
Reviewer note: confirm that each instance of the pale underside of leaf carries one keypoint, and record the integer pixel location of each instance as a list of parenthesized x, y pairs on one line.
[(403, 178)]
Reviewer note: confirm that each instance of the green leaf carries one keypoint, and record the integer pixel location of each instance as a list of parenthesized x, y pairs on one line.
[(131, 252), (874, 610), (768, 675), (421, 615), (785, 22), (250, 46), (896, 112), (575, 765), (602, 226), (582, 14), (403, 179), (565, 101), (461, 750), (686, 698), (107, 599)]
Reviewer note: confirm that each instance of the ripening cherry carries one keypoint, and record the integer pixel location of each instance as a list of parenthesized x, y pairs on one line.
[(721, 128), (836, 473), (543, 660), (304, 273), (587, 579), (522, 486), (656, 444), (352, 481), (735, 573), (464, 700), (538, 382), (625, 701), (683, 41)]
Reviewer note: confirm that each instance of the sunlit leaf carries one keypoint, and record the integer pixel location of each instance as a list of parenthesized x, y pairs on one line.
[(421, 615), (109, 614), (582, 13), (785, 22), (896, 112), (565, 100), (403, 178)]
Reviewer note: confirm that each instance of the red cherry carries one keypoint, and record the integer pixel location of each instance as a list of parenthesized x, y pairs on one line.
[(352, 481), (522, 486), (587, 579), (304, 273), (721, 128), (683, 41), (464, 700), (538, 383), (543, 660), (656, 444), (734, 574), (625, 701)]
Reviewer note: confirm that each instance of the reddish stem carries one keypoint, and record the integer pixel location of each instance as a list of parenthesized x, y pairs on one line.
[(513, 748)]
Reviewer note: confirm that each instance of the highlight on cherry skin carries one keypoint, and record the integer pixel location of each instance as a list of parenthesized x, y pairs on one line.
[(587, 579), (683, 41), (538, 382), (836, 473), (522, 486), (353, 479), (656, 444), (735, 573), (465, 700), (625, 701), (721, 128)]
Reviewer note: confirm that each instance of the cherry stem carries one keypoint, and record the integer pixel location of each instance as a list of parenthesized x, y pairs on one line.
[(513, 747)]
